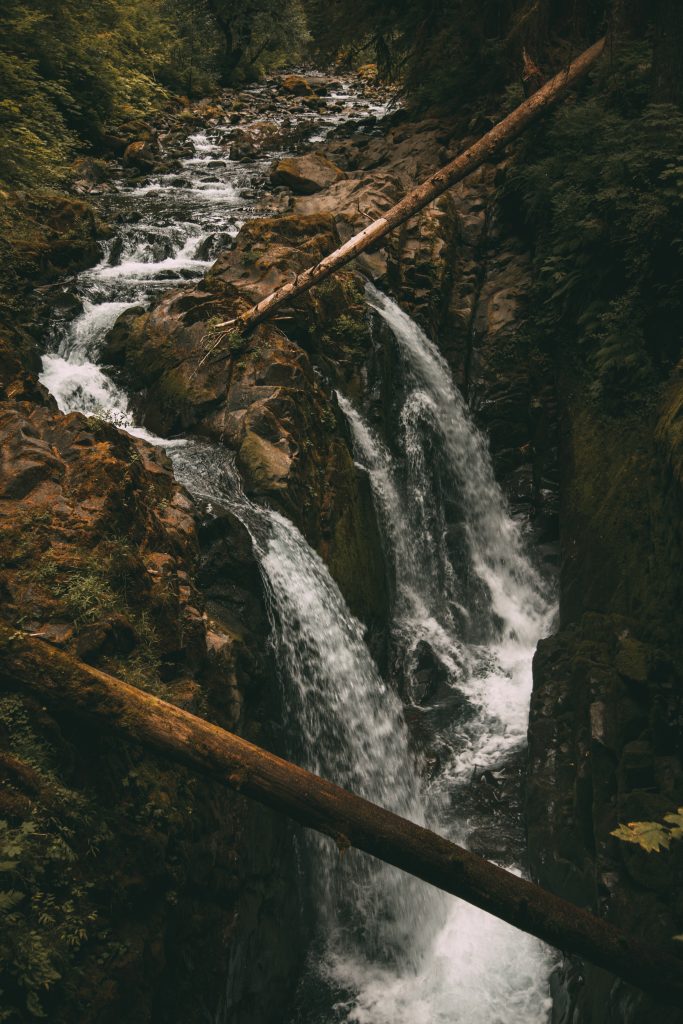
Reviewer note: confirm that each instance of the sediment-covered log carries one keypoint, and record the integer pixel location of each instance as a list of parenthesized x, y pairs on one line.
[(59, 680), (500, 136)]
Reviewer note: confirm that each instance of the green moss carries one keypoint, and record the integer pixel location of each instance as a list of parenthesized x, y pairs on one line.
[(46, 908)]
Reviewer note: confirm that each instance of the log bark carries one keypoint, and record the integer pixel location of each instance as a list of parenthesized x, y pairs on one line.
[(499, 136), (67, 684)]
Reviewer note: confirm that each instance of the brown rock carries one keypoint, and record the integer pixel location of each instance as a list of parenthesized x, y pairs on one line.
[(306, 174), (296, 85), (112, 636), (265, 465), (139, 155)]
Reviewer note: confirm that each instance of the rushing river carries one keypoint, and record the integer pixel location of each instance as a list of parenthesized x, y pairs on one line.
[(389, 949)]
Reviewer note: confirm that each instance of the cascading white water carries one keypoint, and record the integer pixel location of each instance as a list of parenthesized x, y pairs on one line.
[(149, 255), (475, 969), (349, 727), (496, 548), (392, 950)]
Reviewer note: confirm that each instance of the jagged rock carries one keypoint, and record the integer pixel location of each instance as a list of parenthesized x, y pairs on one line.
[(592, 765), (108, 637), (306, 174), (604, 744), (260, 395), (258, 138), (265, 466), (295, 85)]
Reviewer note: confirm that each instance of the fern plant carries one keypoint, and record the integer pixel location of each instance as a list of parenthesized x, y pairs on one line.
[(600, 191)]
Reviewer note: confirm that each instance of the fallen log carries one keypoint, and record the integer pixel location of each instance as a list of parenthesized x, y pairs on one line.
[(500, 136), (64, 683)]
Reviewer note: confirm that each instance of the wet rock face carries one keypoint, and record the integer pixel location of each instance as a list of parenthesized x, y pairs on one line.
[(255, 139), (605, 749), (605, 726), (42, 237), (262, 396), (90, 487), (462, 273), (100, 555)]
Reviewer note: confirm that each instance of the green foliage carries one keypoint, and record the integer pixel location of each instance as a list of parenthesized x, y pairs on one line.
[(67, 72), (349, 330), (652, 836), (195, 57), (46, 912), (600, 190), (451, 51), (259, 34), (87, 595), (70, 72), (95, 588)]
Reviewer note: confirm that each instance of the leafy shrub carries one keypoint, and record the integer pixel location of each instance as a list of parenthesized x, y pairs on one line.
[(46, 912), (600, 191)]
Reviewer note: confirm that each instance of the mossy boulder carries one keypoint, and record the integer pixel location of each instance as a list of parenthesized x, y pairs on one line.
[(307, 174), (296, 85)]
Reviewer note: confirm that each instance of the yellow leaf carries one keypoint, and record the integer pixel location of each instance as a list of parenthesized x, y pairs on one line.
[(651, 836), (676, 820)]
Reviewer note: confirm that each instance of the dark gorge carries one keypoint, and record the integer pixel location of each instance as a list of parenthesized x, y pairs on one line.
[(419, 532)]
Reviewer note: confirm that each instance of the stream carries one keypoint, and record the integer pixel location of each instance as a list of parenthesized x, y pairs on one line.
[(439, 739)]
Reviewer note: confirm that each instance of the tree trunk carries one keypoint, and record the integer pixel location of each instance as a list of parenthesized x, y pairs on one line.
[(234, 51), (667, 54), (455, 171), (351, 821)]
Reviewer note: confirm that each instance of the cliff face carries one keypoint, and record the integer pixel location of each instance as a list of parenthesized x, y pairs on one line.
[(128, 876), (602, 491), (605, 726), (120, 567)]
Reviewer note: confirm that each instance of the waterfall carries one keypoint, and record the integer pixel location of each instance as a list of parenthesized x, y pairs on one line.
[(516, 594), (391, 950), (464, 966)]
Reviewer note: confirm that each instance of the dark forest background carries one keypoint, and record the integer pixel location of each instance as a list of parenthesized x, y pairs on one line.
[(71, 71)]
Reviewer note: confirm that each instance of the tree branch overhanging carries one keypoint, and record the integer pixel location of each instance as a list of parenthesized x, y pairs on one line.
[(64, 683)]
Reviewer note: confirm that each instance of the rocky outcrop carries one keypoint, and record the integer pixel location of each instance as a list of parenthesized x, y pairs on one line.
[(261, 396), (100, 555), (464, 275), (141, 155), (296, 85), (605, 719), (114, 563), (307, 174), (43, 237), (255, 139)]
